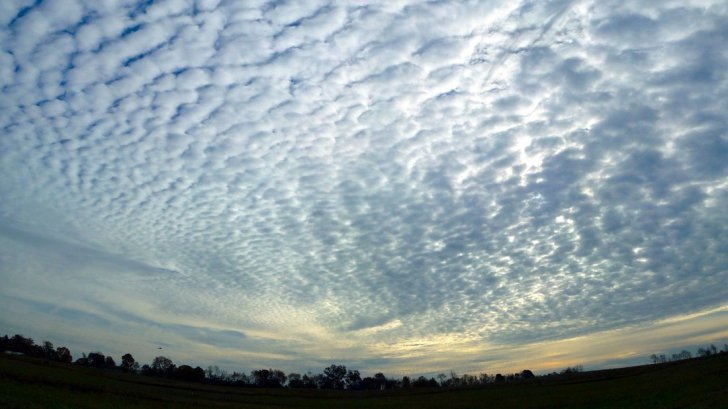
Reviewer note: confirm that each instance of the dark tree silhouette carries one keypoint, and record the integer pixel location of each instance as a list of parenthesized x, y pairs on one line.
[(352, 380), (423, 382), (83, 361), (268, 378), (378, 382), (239, 379), (187, 373), (162, 366), (214, 374), (579, 368), (277, 378), (49, 351), (96, 359), (295, 381), (259, 377), (381, 380), (406, 382), (64, 355), (454, 379), (527, 374), (127, 362), (369, 383), (26, 346), (311, 381), (468, 380), (334, 377)]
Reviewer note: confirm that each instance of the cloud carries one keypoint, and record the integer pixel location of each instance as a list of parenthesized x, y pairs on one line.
[(329, 180)]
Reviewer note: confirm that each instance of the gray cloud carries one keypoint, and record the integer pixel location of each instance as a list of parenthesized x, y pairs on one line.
[(310, 174)]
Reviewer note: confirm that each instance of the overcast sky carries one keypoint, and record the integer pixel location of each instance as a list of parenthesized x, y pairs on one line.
[(402, 186)]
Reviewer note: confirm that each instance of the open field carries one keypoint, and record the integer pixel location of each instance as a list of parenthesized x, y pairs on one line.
[(695, 383)]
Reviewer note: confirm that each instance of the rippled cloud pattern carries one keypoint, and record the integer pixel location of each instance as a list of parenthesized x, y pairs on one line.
[(310, 180)]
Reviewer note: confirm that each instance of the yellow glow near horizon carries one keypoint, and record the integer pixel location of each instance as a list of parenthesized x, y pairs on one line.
[(592, 351)]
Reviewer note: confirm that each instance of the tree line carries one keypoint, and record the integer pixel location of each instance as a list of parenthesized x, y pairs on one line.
[(335, 376), (702, 352)]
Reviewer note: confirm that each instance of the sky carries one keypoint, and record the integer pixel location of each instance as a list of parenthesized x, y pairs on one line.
[(399, 186)]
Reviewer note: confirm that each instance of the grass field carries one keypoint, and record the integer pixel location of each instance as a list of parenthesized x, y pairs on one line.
[(695, 383)]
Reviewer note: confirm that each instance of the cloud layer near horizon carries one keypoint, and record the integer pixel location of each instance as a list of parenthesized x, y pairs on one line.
[(311, 180)]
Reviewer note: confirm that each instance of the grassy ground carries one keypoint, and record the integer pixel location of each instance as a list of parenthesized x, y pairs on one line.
[(696, 383)]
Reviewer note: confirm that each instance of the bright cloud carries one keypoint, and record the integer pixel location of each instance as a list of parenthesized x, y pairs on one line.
[(296, 182)]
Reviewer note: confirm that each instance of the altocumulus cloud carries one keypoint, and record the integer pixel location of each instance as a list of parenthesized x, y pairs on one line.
[(287, 183)]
